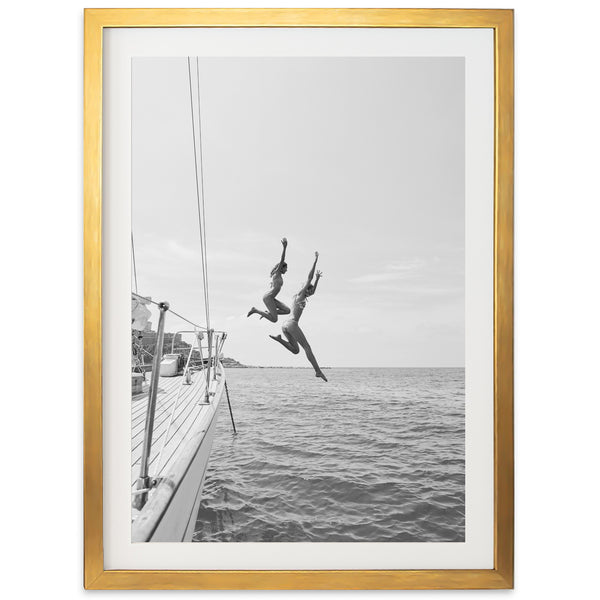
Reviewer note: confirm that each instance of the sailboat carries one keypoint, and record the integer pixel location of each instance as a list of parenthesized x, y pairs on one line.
[(175, 400)]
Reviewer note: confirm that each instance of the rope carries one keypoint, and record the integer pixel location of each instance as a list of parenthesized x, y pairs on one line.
[(200, 206), (134, 267), (203, 238), (199, 186), (202, 221), (172, 312)]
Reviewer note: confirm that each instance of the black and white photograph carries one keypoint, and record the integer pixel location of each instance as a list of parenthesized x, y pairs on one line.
[(298, 299), (318, 292)]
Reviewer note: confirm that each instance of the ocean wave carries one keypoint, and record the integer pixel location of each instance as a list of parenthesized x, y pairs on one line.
[(381, 458)]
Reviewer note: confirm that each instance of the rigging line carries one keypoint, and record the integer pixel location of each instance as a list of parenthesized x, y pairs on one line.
[(171, 311), (134, 267), (196, 177), (203, 194), (203, 239), (201, 200), (198, 191)]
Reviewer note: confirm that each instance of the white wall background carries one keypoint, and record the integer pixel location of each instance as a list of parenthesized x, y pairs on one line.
[(557, 298)]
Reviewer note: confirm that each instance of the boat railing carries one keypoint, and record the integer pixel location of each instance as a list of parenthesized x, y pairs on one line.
[(213, 347), (146, 299), (217, 340)]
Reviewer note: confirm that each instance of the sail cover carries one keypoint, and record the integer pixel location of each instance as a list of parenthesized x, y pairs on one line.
[(140, 315)]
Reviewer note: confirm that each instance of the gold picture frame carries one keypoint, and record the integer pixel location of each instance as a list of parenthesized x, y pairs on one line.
[(501, 576)]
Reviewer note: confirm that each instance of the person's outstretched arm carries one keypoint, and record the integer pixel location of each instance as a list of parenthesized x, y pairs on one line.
[(319, 275), (311, 273), (284, 243)]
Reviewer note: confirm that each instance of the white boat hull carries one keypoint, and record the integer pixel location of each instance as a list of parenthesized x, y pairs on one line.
[(173, 527), (172, 507)]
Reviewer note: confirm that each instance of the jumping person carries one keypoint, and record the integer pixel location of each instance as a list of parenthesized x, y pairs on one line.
[(274, 307), (291, 329)]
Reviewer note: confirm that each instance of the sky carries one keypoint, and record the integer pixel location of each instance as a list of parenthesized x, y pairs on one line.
[(361, 159)]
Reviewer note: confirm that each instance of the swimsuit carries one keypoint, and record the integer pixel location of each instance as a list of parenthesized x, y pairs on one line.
[(298, 305), (301, 303)]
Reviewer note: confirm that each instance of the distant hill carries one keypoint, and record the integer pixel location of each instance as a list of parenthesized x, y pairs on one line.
[(231, 363)]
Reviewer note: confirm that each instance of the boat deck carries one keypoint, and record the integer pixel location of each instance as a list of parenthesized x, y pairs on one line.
[(173, 393)]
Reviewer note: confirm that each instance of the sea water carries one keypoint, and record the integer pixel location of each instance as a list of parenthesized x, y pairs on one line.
[(373, 455)]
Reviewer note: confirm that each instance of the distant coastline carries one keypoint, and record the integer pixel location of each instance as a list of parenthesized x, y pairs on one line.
[(231, 363)]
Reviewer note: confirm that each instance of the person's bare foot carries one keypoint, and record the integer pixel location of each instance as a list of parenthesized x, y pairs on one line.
[(277, 338), (321, 375), (251, 312)]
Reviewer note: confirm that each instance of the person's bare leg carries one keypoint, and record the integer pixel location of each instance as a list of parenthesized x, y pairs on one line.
[(263, 314), (309, 354), (271, 315), (314, 363), (290, 345), (282, 309)]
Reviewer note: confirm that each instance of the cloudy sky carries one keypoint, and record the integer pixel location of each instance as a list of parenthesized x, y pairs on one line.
[(360, 159)]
